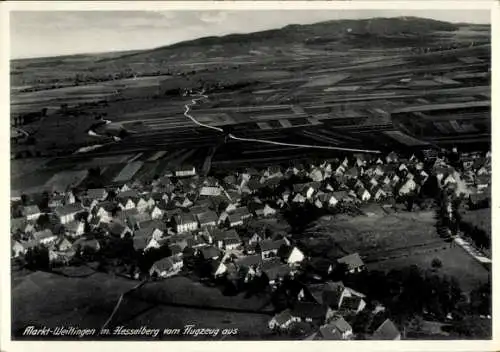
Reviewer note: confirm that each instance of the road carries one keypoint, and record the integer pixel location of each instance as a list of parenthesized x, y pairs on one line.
[(194, 101)]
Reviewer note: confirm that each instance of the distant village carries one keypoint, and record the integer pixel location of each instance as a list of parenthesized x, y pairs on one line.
[(183, 222)]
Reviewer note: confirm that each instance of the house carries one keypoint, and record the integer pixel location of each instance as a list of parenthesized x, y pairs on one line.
[(17, 249), (227, 240), (117, 229), (449, 180), (352, 173), (256, 238), (249, 265), (482, 182), (299, 198), (185, 171), (105, 211), (207, 219), (392, 157), (209, 253), (282, 320), (352, 303), (331, 294), (98, 194), (138, 220), (275, 271), (309, 312), (87, 245), (31, 212), (408, 187), (269, 248), (164, 268), (128, 199), (363, 194), (157, 213), (353, 262), (45, 237), (265, 211), (387, 331), (142, 242), (57, 200), (336, 329), (378, 193), (210, 191), (75, 228), (185, 222), (234, 220), (295, 256), (64, 245), (217, 268), (144, 205), (68, 212)]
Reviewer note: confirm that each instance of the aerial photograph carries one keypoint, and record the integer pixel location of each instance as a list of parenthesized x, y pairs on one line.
[(208, 175)]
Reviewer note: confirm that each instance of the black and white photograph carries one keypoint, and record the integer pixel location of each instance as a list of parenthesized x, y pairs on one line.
[(232, 174)]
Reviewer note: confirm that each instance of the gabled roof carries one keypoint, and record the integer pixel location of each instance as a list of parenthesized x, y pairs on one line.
[(386, 331), (184, 218), (268, 245), (207, 217), (353, 261), (309, 310), (249, 260), (68, 209), (96, 193), (141, 241), (209, 252), (40, 235), (132, 193), (31, 210)]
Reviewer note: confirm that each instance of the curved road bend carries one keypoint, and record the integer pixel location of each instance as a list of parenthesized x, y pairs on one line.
[(187, 108)]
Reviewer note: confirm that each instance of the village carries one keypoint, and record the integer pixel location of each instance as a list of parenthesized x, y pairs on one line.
[(204, 227)]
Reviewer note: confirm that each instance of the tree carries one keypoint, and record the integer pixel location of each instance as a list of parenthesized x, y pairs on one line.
[(37, 258), (436, 263)]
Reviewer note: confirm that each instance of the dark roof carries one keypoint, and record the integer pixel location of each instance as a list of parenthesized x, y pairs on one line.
[(108, 206), (351, 303), (18, 224), (209, 252), (175, 249), (31, 210), (386, 331), (184, 218), (207, 217), (141, 241), (116, 228), (353, 261), (341, 324), (283, 317), (68, 209), (249, 260), (309, 310), (40, 235), (127, 194), (164, 264), (95, 193), (276, 270), (268, 245)]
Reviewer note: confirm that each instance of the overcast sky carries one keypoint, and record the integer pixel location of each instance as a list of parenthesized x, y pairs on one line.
[(52, 33)]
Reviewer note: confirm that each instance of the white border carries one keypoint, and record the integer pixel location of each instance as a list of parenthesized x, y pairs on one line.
[(7, 345)]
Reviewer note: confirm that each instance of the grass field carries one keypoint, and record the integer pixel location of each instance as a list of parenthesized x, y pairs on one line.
[(480, 218), (52, 300), (455, 262), (377, 233)]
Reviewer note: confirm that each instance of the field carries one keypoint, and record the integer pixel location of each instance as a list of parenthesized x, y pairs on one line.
[(378, 235), (52, 300), (455, 262), (480, 218)]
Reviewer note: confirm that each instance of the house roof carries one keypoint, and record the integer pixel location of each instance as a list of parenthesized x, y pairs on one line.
[(309, 310), (164, 264), (18, 224), (68, 209), (268, 245), (386, 331), (96, 193), (116, 228), (330, 332), (175, 249), (351, 303), (184, 218), (249, 260), (209, 252), (141, 241), (131, 193), (234, 218), (31, 210), (341, 324), (275, 269), (283, 317), (108, 206), (40, 235), (207, 217), (353, 261)]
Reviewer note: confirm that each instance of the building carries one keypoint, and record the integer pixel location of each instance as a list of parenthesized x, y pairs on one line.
[(44, 237), (282, 320), (185, 171), (68, 212), (387, 331), (31, 212), (353, 262), (336, 329), (185, 222)]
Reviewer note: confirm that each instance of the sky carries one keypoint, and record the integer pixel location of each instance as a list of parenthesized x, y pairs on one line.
[(53, 33)]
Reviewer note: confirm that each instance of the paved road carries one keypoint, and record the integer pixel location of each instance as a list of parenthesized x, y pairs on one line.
[(194, 101)]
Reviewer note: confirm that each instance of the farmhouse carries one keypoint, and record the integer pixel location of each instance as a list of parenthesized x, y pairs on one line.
[(68, 212), (185, 222), (353, 262), (31, 212)]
